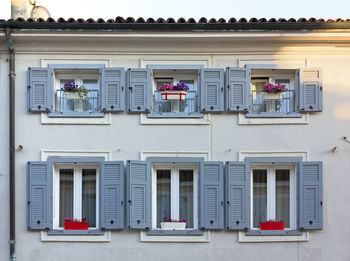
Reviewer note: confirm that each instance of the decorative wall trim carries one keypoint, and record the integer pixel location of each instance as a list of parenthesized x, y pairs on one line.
[(205, 238), (45, 154), (304, 154), (205, 120), (105, 237), (201, 154), (105, 120), (243, 238)]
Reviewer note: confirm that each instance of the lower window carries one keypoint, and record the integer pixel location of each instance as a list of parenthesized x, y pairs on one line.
[(174, 189), (75, 194), (273, 195)]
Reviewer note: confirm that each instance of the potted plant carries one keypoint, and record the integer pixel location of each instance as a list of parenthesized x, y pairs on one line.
[(75, 224), (274, 91), (272, 225), (173, 92), (74, 91), (173, 224)]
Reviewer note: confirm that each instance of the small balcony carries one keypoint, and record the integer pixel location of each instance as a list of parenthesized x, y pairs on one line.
[(187, 105), (282, 103), (88, 103)]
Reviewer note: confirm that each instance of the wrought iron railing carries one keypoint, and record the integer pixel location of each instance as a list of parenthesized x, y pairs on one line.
[(188, 105), (262, 103), (88, 103)]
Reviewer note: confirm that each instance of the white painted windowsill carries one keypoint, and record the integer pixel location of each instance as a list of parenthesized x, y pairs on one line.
[(205, 238), (105, 120), (243, 238), (243, 120), (106, 237), (205, 120)]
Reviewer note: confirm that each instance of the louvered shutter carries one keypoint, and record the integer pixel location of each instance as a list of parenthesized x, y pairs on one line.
[(112, 89), (237, 195), (112, 195), (211, 195), (39, 195), (140, 90), (237, 89), (40, 89), (310, 197), (311, 90), (139, 195), (212, 90)]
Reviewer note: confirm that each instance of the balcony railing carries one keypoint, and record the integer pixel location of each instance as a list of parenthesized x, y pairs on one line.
[(188, 105), (262, 103), (87, 104)]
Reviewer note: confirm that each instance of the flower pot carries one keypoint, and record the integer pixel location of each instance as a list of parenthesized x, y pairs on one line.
[(173, 95), (173, 225), (74, 95), (273, 96), (75, 225), (272, 225)]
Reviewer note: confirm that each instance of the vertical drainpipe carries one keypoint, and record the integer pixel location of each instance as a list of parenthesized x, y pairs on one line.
[(12, 76)]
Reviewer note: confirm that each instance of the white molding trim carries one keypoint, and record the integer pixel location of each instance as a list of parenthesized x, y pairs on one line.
[(269, 154), (105, 120), (204, 154), (205, 120), (45, 154), (78, 60), (243, 238), (170, 60), (106, 237), (243, 120), (205, 238)]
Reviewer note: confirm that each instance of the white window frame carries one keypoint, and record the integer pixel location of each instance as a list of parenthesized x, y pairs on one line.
[(271, 192), (77, 191), (174, 168)]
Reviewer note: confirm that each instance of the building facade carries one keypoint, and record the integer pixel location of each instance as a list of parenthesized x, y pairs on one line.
[(226, 156)]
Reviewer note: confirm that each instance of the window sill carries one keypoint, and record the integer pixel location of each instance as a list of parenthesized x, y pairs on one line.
[(252, 236), (174, 115), (105, 236), (243, 119), (92, 119), (273, 115), (75, 232), (204, 119), (160, 232), (273, 233), (75, 115), (203, 237)]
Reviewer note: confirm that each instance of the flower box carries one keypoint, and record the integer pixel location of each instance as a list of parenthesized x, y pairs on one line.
[(173, 95), (75, 225), (273, 96), (173, 225), (74, 95), (272, 225)]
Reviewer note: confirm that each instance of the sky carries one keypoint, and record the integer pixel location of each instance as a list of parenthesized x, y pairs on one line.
[(190, 8)]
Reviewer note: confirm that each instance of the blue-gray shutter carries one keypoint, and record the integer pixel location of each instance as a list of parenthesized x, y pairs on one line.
[(237, 195), (310, 195), (140, 90), (311, 90), (112, 195), (238, 89), (212, 90), (139, 195), (211, 184), (112, 89), (40, 89), (39, 195)]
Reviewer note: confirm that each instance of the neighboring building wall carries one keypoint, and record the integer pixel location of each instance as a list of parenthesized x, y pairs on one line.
[(223, 139)]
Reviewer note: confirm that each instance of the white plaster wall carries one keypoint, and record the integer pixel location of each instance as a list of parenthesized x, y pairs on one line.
[(125, 138)]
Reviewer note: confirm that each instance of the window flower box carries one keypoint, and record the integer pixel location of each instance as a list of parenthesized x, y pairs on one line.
[(74, 96), (75, 225), (273, 96), (272, 225), (74, 91), (173, 225), (173, 95)]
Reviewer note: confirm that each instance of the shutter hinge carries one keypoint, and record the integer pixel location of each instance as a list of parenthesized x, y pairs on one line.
[(122, 88), (28, 203), (228, 86), (29, 86), (321, 203), (320, 88), (130, 88)]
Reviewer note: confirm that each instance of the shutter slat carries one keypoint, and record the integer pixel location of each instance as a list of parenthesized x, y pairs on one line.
[(39, 195), (112, 195), (211, 195), (112, 89), (238, 89), (310, 198), (311, 90), (140, 90), (139, 195), (41, 90), (237, 197), (212, 90)]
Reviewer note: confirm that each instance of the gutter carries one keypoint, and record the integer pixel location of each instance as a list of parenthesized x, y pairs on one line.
[(178, 27), (12, 76)]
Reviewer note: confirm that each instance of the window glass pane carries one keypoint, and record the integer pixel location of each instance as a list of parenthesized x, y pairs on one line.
[(186, 197), (259, 196), (90, 84), (89, 196), (283, 196), (163, 195), (189, 104), (66, 195)]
